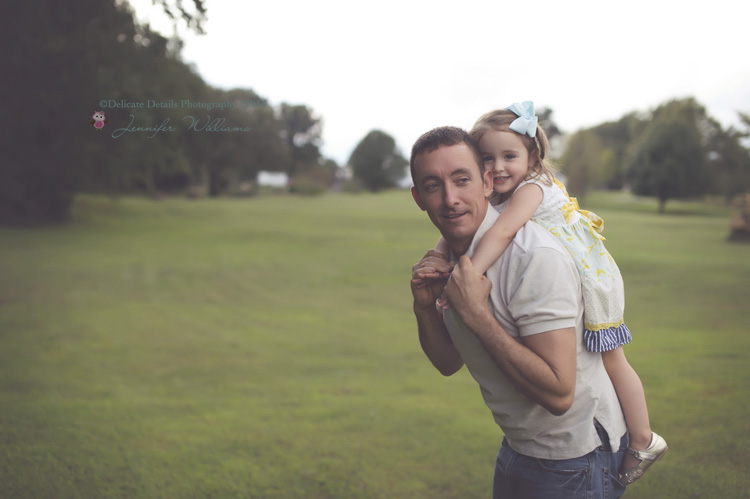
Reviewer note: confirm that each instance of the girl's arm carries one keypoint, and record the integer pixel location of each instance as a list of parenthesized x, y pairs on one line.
[(522, 206)]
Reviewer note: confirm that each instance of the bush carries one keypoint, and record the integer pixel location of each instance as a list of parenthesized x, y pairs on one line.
[(307, 186)]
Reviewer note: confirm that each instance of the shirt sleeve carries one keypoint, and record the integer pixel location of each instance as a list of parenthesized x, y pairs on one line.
[(547, 294)]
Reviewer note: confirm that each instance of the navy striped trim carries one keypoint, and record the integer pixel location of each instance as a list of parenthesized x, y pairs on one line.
[(608, 339)]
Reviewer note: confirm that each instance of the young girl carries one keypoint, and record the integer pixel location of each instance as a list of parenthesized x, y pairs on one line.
[(513, 147)]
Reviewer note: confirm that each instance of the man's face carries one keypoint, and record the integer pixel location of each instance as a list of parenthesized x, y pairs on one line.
[(449, 187)]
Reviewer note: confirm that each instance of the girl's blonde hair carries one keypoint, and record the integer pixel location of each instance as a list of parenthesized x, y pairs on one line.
[(537, 146)]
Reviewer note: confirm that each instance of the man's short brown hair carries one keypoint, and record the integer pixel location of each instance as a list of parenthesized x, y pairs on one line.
[(444, 136)]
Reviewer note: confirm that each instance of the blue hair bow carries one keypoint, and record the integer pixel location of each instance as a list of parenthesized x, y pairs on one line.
[(526, 121)]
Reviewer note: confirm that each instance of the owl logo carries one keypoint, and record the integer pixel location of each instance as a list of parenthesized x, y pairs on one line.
[(99, 120)]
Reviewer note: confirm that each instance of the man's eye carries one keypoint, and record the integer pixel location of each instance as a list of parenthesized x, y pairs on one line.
[(431, 187), (463, 180)]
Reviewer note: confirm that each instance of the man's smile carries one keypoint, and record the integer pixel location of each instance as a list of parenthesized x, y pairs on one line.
[(454, 217)]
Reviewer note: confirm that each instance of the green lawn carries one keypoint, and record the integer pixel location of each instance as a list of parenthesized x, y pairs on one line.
[(266, 348)]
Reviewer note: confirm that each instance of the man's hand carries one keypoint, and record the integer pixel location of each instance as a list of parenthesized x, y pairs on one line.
[(433, 337), (468, 290), (429, 276)]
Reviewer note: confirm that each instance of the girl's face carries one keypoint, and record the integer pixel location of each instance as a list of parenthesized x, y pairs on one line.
[(507, 157)]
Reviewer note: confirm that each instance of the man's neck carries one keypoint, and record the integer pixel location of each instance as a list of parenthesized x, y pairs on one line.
[(460, 247)]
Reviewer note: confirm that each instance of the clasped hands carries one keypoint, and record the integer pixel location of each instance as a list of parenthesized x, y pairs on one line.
[(463, 288)]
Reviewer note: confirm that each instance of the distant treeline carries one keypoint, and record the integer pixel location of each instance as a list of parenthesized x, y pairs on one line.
[(93, 101), (673, 151)]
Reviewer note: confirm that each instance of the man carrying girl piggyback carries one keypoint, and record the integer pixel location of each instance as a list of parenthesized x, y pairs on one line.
[(514, 148)]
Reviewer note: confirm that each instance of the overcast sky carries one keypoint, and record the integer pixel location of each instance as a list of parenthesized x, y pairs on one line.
[(407, 66)]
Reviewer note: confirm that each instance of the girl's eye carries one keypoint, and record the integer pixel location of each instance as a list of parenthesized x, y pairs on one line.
[(510, 156), (487, 159)]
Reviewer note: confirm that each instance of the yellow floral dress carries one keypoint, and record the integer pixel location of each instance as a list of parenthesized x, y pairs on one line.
[(603, 291)]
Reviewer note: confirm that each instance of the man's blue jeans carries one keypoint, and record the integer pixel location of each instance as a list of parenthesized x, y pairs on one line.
[(593, 476)]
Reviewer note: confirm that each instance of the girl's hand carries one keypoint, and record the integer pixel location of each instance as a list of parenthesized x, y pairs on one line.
[(442, 302), (433, 266), (429, 276)]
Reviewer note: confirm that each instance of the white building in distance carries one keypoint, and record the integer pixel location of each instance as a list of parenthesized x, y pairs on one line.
[(272, 179)]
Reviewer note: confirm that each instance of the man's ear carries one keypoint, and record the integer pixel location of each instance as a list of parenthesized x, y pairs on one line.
[(417, 198), (488, 182)]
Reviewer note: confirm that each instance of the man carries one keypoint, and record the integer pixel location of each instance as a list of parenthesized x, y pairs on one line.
[(518, 330)]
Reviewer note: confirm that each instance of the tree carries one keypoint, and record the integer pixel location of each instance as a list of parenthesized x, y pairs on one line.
[(301, 131), (193, 20), (729, 160), (615, 137), (693, 114), (223, 160), (593, 157), (376, 161), (587, 162), (73, 57), (37, 153), (316, 179), (745, 119), (547, 123), (667, 161), (729, 163)]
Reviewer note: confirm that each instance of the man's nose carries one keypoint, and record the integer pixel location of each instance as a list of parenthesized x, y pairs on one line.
[(450, 195)]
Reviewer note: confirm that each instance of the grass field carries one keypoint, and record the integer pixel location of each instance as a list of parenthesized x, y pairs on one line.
[(265, 348)]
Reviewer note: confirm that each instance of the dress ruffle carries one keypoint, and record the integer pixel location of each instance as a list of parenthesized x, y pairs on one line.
[(604, 340)]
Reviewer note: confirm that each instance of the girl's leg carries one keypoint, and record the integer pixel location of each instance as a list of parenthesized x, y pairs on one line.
[(629, 390)]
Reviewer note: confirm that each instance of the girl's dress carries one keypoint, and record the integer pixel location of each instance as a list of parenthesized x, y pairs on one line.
[(603, 289)]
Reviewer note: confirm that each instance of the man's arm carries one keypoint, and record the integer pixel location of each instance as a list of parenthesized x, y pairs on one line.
[(543, 367), (436, 342), (433, 336)]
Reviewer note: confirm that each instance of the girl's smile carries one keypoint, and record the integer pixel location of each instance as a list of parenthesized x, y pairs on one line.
[(501, 180)]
